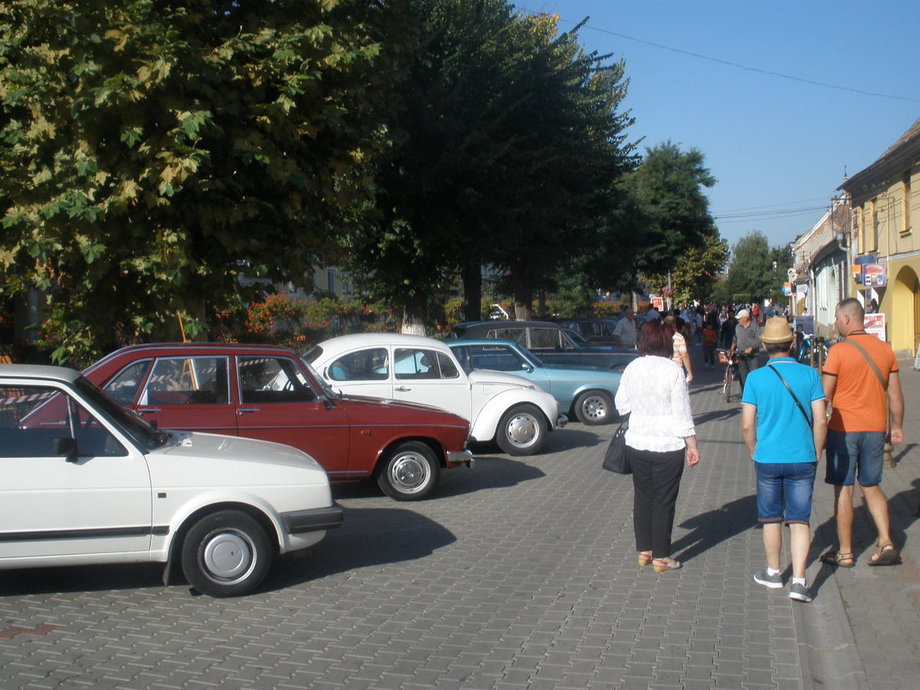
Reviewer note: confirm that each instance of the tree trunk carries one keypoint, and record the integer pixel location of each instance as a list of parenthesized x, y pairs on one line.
[(472, 291), (413, 321), (523, 298)]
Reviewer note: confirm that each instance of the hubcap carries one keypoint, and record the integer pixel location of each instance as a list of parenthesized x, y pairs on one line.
[(522, 430), (409, 472), (595, 408), (228, 556)]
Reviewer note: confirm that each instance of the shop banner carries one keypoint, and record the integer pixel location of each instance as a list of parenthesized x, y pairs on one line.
[(875, 325)]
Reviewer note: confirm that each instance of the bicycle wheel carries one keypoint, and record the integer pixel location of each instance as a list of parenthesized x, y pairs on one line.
[(729, 383)]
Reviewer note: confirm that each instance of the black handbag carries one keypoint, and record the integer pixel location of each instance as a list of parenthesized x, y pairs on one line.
[(615, 459)]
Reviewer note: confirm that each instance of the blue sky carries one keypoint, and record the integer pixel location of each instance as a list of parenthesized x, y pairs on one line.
[(779, 147)]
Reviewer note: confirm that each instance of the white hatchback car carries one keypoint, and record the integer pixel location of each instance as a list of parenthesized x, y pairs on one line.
[(501, 407), (86, 481)]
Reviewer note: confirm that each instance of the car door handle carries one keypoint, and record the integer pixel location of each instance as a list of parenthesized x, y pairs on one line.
[(150, 410), (244, 410), (402, 389)]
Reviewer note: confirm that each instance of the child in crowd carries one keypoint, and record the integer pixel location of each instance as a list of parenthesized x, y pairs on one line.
[(710, 337)]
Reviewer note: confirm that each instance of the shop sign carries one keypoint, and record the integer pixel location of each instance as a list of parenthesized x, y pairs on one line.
[(875, 325), (874, 275)]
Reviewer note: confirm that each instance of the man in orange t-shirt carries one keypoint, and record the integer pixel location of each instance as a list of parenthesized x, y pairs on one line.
[(861, 404)]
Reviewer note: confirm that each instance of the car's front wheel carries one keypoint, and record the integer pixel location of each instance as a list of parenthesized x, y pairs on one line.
[(226, 554), (594, 407), (410, 472), (522, 430)]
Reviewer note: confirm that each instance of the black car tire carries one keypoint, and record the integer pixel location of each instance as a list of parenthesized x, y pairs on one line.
[(409, 472), (522, 430), (594, 407), (226, 554)]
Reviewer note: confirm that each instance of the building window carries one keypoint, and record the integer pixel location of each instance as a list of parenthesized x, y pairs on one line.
[(873, 226), (905, 203)]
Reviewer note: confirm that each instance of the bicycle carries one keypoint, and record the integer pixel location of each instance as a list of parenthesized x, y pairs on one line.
[(812, 349), (730, 360)]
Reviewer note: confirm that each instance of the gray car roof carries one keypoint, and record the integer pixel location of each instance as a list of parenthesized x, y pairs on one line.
[(62, 374)]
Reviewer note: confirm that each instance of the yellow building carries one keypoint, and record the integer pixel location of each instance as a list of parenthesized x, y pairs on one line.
[(885, 238)]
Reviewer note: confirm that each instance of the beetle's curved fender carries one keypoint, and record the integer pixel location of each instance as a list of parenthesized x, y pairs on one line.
[(486, 423)]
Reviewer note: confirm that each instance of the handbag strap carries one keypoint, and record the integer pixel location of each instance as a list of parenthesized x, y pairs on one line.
[(792, 393), (881, 379)]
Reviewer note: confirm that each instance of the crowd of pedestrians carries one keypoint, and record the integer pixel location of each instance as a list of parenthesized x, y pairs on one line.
[(785, 426)]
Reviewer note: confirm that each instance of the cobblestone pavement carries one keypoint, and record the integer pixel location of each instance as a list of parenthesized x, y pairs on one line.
[(520, 573)]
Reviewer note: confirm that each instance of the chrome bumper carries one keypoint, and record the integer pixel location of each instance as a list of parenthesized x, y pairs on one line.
[(461, 457)]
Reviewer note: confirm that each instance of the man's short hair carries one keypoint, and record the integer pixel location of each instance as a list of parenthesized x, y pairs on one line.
[(852, 306), (777, 348)]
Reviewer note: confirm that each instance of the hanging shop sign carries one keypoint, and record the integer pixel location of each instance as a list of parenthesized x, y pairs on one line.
[(875, 275)]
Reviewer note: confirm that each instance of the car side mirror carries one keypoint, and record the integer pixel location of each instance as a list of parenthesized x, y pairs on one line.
[(66, 446), (526, 367)]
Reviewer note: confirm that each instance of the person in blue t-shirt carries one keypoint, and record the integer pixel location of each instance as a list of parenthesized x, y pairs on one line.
[(784, 425)]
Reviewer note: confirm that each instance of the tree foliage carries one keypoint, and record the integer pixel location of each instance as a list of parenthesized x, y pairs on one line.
[(507, 144), (758, 271), (156, 151), (669, 188), (694, 276)]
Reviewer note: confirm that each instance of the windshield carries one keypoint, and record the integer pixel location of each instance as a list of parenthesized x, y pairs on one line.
[(312, 354), (575, 337), (320, 381), (138, 429)]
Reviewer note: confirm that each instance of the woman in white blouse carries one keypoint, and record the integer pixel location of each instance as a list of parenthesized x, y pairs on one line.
[(661, 437)]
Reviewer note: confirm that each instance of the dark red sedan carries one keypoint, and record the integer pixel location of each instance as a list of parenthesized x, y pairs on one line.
[(270, 393)]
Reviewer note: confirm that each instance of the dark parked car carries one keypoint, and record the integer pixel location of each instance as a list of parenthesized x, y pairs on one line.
[(550, 342), (270, 393), (594, 331)]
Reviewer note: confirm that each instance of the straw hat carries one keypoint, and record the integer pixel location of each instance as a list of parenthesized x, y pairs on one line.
[(776, 331)]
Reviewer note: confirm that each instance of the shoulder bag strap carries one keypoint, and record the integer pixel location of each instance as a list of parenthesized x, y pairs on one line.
[(794, 396), (881, 379)]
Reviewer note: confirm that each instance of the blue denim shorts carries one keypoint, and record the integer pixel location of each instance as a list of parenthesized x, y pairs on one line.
[(852, 455), (784, 491)]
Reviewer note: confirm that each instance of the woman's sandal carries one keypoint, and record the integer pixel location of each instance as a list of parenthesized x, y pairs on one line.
[(663, 565), (644, 558), (836, 558), (885, 554)]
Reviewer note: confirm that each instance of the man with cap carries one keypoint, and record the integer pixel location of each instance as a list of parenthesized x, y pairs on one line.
[(784, 426), (747, 344)]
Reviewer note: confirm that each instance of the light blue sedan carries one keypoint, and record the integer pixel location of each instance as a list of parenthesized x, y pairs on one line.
[(585, 391)]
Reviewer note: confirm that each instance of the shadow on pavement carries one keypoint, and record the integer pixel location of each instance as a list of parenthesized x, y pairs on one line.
[(489, 472), (903, 511), (367, 537), (715, 526), (717, 415), (83, 578)]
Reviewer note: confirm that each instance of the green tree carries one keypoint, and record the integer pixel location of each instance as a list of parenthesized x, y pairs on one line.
[(694, 276), (751, 276), (154, 152), (506, 146), (669, 188)]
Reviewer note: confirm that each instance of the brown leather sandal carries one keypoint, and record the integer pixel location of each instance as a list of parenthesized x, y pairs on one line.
[(837, 558), (885, 554)]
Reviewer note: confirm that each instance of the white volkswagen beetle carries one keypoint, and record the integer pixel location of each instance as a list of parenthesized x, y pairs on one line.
[(501, 407), (86, 481)]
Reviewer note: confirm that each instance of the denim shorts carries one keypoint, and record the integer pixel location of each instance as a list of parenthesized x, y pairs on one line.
[(854, 454), (784, 491)]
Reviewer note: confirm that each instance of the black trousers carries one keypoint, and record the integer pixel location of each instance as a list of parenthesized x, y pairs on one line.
[(747, 364), (656, 481)]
